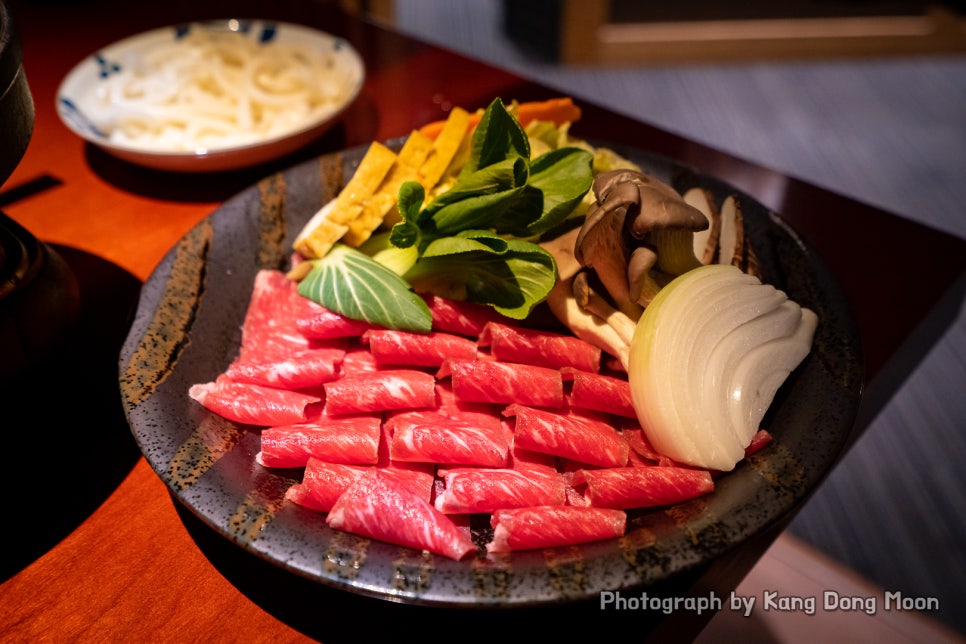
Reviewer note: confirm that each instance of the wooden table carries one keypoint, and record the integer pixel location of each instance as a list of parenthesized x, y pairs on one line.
[(101, 550)]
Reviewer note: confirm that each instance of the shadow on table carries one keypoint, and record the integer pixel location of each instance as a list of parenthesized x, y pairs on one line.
[(66, 441)]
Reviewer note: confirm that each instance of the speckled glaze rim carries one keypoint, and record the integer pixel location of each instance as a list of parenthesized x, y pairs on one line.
[(187, 330)]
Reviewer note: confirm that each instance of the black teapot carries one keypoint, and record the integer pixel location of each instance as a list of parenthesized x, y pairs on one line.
[(39, 296)]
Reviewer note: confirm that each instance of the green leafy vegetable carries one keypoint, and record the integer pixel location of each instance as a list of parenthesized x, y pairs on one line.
[(469, 243), (406, 233), (397, 259), (562, 177), (352, 283), (483, 198), (468, 237), (512, 282), (498, 137)]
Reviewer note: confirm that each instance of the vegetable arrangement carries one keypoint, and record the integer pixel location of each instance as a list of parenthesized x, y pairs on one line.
[(471, 242), (400, 373)]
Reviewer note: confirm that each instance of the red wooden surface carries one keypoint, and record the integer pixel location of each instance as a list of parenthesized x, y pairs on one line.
[(136, 566)]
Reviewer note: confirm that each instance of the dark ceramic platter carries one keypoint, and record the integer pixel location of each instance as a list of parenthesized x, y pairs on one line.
[(187, 330)]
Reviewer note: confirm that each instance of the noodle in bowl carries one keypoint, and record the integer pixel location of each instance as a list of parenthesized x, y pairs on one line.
[(211, 95)]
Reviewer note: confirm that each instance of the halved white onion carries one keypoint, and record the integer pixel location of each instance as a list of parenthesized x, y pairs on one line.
[(707, 358)]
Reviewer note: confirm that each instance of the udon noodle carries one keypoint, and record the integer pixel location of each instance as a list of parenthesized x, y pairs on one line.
[(214, 89)]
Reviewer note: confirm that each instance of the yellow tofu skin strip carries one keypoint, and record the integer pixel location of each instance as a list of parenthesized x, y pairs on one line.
[(368, 200), (332, 222)]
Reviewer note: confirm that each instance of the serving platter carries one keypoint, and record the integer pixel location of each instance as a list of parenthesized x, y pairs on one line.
[(83, 108), (187, 330)]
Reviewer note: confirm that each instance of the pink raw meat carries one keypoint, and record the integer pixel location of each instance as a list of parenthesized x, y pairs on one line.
[(414, 480), (323, 483), (598, 392), (521, 459), (252, 404), (352, 440), (407, 348), (269, 329), (380, 391), (641, 487), (469, 490), (551, 526), (462, 318), (568, 436), (504, 383), (543, 348), (358, 359), (641, 449), (316, 321), (467, 438), (760, 440), (299, 370), (375, 506), (448, 403)]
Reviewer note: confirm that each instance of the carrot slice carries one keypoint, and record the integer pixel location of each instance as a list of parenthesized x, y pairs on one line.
[(559, 110)]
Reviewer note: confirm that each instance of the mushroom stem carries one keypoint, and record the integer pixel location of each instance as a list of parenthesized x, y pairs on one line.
[(675, 250), (584, 324), (562, 249), (643, 285), (593, 302)]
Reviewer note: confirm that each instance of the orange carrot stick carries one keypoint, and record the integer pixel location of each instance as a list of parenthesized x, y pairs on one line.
[(559, 110)]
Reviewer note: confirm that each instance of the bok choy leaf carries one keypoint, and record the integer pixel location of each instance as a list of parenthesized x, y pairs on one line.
[(357, 286)]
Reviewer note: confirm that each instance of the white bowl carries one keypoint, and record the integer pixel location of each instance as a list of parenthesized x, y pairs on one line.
[(82, 106)]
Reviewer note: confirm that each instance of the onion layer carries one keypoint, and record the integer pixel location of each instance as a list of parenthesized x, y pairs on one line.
[(707, 358)]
